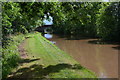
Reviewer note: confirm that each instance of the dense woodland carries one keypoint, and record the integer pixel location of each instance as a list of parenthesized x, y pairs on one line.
[(93, 19)]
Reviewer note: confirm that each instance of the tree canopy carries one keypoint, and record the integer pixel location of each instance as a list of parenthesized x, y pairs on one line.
[(94, 19)]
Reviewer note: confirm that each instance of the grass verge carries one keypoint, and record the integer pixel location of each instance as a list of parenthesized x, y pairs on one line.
[(45, 60), (10, 54)]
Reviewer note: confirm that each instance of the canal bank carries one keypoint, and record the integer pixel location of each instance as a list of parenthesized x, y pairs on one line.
[(45, 60)]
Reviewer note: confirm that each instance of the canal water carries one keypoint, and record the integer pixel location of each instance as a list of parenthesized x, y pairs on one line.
[(99, 58)]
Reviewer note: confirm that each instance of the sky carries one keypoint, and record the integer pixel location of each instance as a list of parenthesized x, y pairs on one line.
[(48, 22)]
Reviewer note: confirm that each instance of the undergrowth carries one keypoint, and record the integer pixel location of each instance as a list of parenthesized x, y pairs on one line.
[(10, 54)]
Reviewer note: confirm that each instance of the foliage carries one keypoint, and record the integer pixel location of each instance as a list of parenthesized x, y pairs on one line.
[(79, 18), (108, 22), (97, 19), (10, 56), (20, 18)]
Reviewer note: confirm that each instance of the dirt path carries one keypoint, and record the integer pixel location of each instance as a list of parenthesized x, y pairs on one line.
[(25, 63), (21, 49)]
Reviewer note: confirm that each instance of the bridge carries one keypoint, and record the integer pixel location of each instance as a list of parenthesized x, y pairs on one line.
[(43, 28)]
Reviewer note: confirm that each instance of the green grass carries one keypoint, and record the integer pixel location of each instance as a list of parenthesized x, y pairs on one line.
[(53, 63), (44, 60)]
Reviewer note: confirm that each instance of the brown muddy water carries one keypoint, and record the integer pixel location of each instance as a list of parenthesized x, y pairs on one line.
[(99, 58)]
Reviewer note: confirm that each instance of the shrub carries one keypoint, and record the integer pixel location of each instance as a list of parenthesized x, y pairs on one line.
[(10, 54)]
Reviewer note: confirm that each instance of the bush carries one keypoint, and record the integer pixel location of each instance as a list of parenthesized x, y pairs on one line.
[(10, 54)]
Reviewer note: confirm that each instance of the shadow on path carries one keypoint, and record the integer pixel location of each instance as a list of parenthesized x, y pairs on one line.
[(28, 60), (38, 71)]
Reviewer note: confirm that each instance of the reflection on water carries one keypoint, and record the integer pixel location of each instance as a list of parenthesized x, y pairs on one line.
[(53, 42), (48, 36), (102, 59)]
